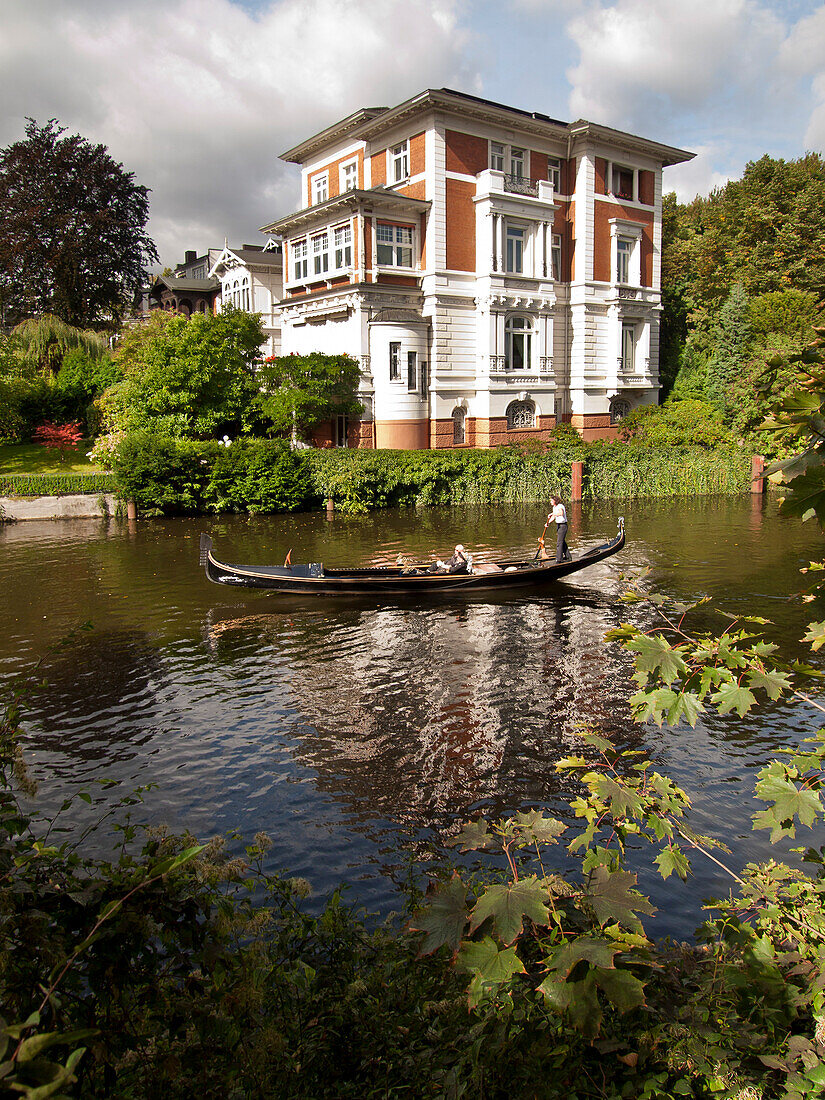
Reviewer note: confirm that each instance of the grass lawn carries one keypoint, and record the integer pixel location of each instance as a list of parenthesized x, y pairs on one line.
[(31, 458)]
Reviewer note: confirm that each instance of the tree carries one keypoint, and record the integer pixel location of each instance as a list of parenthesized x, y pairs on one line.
[(190, 378), (59, 437), (73, 238), (302, 391), (732, 335), (46, 339)]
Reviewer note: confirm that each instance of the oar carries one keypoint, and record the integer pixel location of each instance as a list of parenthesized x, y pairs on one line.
[(541, 539)]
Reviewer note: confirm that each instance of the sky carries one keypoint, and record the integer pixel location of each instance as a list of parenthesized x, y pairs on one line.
[(199, 97)]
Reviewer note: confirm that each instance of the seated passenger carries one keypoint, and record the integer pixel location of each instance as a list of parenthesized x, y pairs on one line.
[(459, 562)]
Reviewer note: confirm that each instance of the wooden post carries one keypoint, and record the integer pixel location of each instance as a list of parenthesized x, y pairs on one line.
[(330, 506), (131, 509), (576, 480), (757, 474)]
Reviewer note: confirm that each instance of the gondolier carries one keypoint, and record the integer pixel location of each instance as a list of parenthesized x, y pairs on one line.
[(559, 517)]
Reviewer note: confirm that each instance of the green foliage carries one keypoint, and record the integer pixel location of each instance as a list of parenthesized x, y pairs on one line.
[(190, 378), (258, 476), (731, 335), (301, 391), (42, 485), (798, 422), (164, 474), (678, 423)]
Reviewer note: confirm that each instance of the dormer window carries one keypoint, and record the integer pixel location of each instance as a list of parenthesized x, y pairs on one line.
[(399, 162)]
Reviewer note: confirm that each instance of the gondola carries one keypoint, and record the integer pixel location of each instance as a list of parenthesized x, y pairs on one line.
[(316, 579)]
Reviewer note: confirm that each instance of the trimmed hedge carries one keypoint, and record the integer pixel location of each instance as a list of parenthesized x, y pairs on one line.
[(166, 475), (55, 485)]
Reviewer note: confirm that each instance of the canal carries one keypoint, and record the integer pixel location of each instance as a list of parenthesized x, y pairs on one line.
[(358, 735)]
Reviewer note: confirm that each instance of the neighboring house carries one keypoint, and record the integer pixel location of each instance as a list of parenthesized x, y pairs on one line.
[(189, 289), (494, 271), (251, 278)]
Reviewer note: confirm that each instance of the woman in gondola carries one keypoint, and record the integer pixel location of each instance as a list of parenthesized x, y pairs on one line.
[(559, 517)]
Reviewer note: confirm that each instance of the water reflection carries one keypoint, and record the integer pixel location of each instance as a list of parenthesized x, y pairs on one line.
[(351, 732)]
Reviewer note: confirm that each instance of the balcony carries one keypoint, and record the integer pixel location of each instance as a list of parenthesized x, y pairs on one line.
[(518, 185)]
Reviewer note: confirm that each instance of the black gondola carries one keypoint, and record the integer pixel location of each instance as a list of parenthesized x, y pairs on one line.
[(316, 579)]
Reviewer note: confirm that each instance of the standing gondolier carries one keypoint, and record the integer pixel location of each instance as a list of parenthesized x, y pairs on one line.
[(559, 517)]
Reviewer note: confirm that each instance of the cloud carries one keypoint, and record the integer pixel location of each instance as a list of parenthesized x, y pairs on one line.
[(198, 97), (712, 65), (803, 53)]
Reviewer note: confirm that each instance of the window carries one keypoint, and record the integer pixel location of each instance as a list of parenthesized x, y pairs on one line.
[(459, 416), (618, 410), (621, 182), (521, 414), (628, 348), (341, 430), (320, 254), (412, 371), (507, 159), (349, 176), (624, 250), (422, 378), (300, 260), (395, 362), (399, 162), (555, 256), (343, 246), (320, 187), (515, 249), (518, 339), (517, 163), (554, 172), (394, 245), (496, 157)]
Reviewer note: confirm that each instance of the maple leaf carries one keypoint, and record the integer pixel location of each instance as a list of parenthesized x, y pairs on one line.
[(474, 836), (444, 918), (815, 635), (733, 696), (508, 905), (789, 801), (623, 801), (613, 898), (655, 653), (535, 827), (688, 705), (578, 999), (490, 966), (773, 683), (673, 860), (589, 949), (624, 989)]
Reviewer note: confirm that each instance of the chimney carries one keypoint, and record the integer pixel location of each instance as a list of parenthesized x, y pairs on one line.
[(190, 257)]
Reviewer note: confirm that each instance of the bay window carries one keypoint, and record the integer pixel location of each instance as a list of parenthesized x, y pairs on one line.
[(515, 249), (555, 256), (394, 245), (518, 340), (628, 356), (300, 259), (320, 254), (343, 246), (395, 361)]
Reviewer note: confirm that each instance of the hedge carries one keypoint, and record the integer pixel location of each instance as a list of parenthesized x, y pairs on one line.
[(165, 475), (55, 485)]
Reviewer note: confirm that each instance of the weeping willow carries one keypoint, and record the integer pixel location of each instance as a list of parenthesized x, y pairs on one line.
[(46, 339)]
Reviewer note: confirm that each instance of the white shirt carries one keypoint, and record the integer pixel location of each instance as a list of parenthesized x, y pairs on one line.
[(559, 513)]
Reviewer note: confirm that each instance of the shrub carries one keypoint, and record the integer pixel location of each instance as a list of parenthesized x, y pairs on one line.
[(162, 474), (258, 476)]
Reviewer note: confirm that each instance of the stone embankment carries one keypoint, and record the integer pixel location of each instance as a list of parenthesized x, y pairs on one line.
[(73, 506)]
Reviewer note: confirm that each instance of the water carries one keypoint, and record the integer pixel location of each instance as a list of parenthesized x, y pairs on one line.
[(356, 735)]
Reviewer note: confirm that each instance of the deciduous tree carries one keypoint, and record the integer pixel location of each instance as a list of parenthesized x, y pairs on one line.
[(302, 391), (73, 238)]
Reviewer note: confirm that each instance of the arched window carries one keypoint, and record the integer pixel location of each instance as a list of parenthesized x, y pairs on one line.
[(518, 339), (459, 416), (236, 295), (521, 414), (245, 295), (619, 408)]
